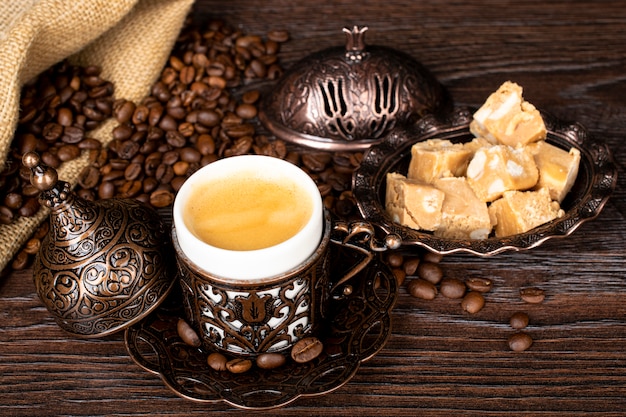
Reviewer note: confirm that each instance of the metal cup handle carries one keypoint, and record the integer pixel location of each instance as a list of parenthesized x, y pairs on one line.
[(360, 236)]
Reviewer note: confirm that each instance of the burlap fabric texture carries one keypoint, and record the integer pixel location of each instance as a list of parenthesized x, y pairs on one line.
[(129, 39)]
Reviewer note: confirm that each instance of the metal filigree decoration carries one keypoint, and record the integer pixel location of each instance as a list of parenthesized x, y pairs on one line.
[(357, 327), (103, 265), (597, 178), (348, 98), (252, 318)]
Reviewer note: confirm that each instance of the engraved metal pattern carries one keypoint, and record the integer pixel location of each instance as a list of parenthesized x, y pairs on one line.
[(103, 264), (357, 327), (252, 318), (597, 178), (348, 98)]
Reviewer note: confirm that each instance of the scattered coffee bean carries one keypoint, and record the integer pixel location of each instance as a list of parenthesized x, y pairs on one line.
[(430, 271), (420, 288), (520, 342), (307, 349), (432, 257), (532, 295), (479, 284), (238, 365), (395, 260), (270, 360), (410, 266), (20, 261), (217, 361), (452, 288), (188, 334), (400, 275), (473, 302), (519, 320)]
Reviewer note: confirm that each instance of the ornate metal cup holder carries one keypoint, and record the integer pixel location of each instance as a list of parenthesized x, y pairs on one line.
[(357, 327)]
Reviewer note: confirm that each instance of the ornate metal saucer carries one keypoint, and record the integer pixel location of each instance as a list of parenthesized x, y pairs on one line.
[(595, 183), (348, 98), (357, 328)]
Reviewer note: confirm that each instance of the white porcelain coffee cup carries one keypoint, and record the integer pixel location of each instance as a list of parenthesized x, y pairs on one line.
[(258, 263)]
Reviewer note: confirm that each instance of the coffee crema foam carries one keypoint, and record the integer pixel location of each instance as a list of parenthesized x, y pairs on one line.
[(247, 212)]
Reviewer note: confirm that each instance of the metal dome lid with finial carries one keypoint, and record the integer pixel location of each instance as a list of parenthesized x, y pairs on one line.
[(103, 265), (348, 98)]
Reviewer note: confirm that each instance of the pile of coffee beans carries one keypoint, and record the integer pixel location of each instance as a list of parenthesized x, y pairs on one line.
[(57, 110)]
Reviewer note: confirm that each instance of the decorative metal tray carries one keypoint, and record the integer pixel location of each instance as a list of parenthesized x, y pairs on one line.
[(596, 181), (357, 328)]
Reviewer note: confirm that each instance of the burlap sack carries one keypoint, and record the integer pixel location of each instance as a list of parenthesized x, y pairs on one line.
[(129, 39)]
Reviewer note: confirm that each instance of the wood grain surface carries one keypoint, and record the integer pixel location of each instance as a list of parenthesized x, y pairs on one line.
[(570, 57)]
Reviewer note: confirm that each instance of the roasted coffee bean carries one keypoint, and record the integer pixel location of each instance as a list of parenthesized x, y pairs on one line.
[(217, 361), (432, 257), (29, 208), (279, 36), (52, 132), (452, 288), (32, 246), (68, 152), (270, 360), (6, 215), (532, 295), (187, 333), (399, 275), (473, 302), (519, 320), (205, 145), (479, 284), (190, 155), (410, 266), (130, 189), (520, 342), (420, 288), (90, 144), (180, 168), (13, 200), (65, 117), (89, 177), (123, 111), (238, 365), (51, 159), (430, 271), (106, 190), (133, 171), (250, 97), (161, 198), (246, 111), (307, 349), (122, 132), (20, 261), (316, 162), (73, 134), (395, 260)]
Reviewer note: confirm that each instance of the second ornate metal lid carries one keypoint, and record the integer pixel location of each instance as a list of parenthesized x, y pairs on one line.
[(348, 98)]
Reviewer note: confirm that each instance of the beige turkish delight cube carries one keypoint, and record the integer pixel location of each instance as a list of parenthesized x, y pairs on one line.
[(436, 158), (520, 211), (499, 168), (508, 119), (558, 168), (413, 203), (464, 216)]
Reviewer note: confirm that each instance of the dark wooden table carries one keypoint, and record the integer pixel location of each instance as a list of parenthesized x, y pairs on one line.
[(570, 57)]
